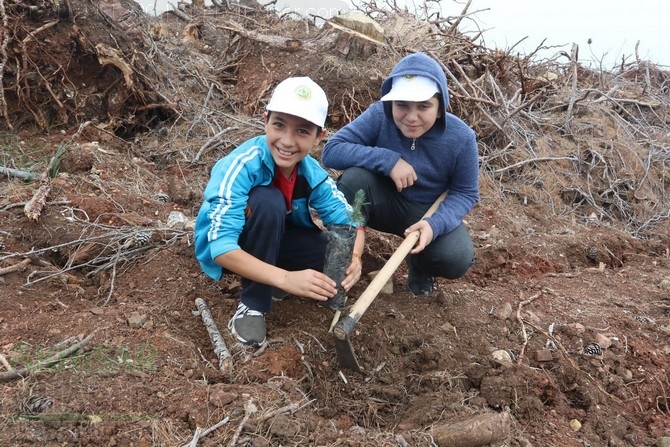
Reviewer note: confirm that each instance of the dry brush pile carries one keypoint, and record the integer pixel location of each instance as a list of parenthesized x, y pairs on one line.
[(591, 145)]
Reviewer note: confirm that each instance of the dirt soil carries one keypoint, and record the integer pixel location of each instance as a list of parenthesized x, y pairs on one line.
[(105, 264)]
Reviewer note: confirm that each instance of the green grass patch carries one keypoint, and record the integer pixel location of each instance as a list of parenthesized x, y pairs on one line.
[(104, 359)]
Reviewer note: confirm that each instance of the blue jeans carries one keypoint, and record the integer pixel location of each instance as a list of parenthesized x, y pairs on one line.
[(449, 255), (267, 236)]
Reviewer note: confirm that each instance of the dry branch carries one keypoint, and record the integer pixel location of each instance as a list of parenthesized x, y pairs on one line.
[(573, 60), (33, 33), (220, 349), (112, 56), (290, 408), (33, 208), (249, 409), (17, 172), (15, 268), (202, 433), (523, 326), (5, 363), (532, 160), (23, 372), (212, 142), (3, 63), (464, 91)]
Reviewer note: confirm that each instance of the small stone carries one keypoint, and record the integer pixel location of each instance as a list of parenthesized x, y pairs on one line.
[(387, 289), (504, 312), (501, 356), (625, 373), (357, 429), (220, 397), (137, 320), (98, 311), (603, 341), (544, 355), (574, 329), (177, 220), (448, 328), (575, 425)]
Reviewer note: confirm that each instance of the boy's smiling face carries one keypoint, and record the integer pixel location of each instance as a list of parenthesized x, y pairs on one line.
[(290, 139), (416, 118)]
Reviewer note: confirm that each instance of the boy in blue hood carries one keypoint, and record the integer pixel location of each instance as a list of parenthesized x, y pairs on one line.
[(404, 151), (256, 217)]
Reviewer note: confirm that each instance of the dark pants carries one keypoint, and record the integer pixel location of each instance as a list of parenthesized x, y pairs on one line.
[(267, 236), (448, 256)]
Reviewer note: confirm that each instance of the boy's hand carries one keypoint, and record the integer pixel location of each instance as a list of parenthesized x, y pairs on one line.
[(309, 284), (425, 235), (353, 273), (403, 175)]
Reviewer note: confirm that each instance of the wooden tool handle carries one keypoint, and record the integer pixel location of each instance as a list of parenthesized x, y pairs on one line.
[(369, 294)]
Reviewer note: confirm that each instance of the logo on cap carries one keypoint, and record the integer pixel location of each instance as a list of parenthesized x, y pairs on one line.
[(409, 77), (303, 92)]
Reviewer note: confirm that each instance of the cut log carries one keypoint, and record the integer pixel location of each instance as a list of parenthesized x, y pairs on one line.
[(357, 35), (477, 431)]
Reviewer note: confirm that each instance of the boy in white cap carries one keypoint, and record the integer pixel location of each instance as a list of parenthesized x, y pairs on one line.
[(255, 220), (404, 151)]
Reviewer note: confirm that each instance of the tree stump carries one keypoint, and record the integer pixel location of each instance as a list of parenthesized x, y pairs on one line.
[(356, 35)]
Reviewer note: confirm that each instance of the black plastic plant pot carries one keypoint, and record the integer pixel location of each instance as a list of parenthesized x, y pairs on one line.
[(340, 247)]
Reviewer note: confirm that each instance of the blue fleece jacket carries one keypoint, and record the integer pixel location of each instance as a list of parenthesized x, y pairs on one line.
[(222, 214), (445, 158)]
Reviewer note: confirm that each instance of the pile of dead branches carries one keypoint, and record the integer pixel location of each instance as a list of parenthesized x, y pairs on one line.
[(591, 144)]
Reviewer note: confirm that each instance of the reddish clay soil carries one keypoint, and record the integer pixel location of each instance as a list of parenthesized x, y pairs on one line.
[(101, 265)]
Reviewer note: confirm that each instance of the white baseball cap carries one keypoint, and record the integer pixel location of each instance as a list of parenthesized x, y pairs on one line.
[(411, 88), (300, 96)]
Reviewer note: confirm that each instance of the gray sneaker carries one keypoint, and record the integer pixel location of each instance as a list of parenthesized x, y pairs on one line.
[(248, 326)]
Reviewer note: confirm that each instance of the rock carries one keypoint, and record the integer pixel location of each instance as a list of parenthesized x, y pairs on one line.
[(504, 312), (603, 341), (176, 220), (543, 355), (574, 329), (575, 425), (625, 373), (448, 328), (502, 356), (387, 289), (98, 311), (137, 320), (219, 396)]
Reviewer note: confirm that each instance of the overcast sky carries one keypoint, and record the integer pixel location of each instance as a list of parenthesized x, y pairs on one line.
[(614, 26)]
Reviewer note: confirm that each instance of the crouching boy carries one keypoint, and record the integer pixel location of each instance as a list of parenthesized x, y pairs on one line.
[(256, 221)]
